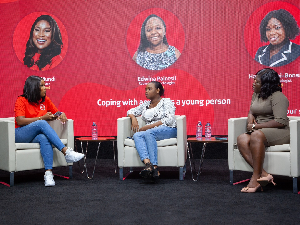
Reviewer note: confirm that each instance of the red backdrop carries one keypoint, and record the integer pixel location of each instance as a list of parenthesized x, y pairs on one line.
[(98, 81)]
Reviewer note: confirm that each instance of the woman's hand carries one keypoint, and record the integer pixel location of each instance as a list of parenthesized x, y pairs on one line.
[(249, 126), (135, 126), (134, 123), (63, 118), (47, 116), (251, 121)]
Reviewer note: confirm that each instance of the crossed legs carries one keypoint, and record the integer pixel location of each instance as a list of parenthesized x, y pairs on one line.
[(252, 148)]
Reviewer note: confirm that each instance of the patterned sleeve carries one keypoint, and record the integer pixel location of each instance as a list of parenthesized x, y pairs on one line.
[(137, 111), (280, 104), (169, 113)]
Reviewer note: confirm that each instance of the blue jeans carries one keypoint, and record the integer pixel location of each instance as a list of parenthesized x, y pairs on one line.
[(40, 132), (145, 141)]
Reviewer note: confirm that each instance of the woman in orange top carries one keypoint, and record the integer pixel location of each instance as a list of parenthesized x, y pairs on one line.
[(44, 45), (32, 110)]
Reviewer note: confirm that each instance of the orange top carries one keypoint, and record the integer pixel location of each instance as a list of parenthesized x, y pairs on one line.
[(31, 110), (54, 62)]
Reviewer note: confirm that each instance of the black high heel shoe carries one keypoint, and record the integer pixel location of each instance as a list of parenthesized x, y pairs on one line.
[(147, 172), (155, 173)]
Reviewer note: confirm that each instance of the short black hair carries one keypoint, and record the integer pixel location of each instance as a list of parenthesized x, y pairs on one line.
[(287, 20), (32, 89), (270, 82), (159, 85), (144, 43)]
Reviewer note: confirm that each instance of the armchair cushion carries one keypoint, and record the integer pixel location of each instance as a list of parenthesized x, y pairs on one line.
[(20, 146), (279, 148)]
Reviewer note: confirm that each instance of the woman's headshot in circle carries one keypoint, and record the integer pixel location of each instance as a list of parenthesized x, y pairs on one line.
[(44, 45), (278, 27), (154, 52)]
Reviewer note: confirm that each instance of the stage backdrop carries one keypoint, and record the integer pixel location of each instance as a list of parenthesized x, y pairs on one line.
[(95, 79)]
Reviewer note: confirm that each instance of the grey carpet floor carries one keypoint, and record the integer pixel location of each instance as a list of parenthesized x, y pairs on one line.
[(106, 200)]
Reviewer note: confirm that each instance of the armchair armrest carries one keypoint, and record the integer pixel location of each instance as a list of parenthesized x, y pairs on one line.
[(295, 147), (236, 126), (123, 131), (7, 145), (181, 139), (64, 131)]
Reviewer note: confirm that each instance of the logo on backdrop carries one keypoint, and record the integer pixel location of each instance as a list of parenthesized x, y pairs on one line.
[(40, 41)]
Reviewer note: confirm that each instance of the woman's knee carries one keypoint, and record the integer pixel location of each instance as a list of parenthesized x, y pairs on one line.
[(243, 139), (257, 136), (41, 138), (138, 134), (42, 123)]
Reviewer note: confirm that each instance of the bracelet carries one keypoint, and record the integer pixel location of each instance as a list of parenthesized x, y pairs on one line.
[(39, 118)]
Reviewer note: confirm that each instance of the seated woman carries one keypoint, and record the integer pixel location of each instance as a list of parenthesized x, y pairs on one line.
[(268, 125), (159, 115), (154, 52), (278, 27), (44, 45), (32, 110)]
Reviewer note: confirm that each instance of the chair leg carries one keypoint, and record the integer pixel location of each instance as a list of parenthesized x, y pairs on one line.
[(231, 176), (295, 186), (121, 174), (181, 173), (70, 172), (11, 178)]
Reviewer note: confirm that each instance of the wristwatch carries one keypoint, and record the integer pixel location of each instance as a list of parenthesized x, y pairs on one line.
[(253, 126)]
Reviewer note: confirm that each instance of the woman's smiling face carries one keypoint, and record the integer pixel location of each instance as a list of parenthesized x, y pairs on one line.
[(155, 31), (275, 32), (42, 35)]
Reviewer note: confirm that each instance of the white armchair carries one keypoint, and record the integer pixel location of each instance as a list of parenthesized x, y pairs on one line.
[(16, 157), (279, 159), (171, 152)]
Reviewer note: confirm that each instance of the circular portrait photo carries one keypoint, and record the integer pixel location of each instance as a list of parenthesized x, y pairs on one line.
[(40, 41), (155, 39), (278, 33)]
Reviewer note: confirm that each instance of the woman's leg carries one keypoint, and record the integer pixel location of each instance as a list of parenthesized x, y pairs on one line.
[(257, 148), (140, 145), (156, 134), (27, 133), (243, 142), (46, 150)]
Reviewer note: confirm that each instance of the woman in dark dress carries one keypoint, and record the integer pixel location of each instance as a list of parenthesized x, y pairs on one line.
[(268, 125)]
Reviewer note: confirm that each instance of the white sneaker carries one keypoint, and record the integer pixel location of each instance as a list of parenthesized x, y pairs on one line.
[(72, 156), (48, 177)]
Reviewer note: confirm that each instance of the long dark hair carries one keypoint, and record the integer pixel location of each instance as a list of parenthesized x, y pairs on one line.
[(48, 53), (144, 43), (287, 20), (270, 82), (32, 89), (159, 85)]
